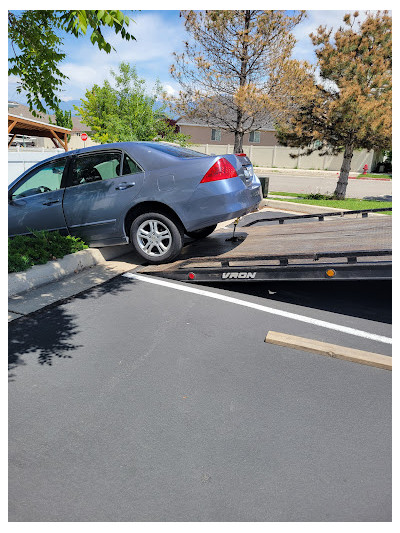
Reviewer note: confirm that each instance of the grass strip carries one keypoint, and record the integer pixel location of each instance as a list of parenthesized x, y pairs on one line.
[(376, 176), (348, 203)]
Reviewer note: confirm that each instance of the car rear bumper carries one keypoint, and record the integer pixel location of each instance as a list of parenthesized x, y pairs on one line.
[(219, 201)]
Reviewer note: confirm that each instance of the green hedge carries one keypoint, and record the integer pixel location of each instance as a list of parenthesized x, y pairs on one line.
[(24, 251)]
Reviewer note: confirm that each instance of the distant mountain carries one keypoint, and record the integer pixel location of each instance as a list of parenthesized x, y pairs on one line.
[(65, 106), (69, 106)]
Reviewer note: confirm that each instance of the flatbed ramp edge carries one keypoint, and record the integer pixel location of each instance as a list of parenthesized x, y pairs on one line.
[(339, 248)]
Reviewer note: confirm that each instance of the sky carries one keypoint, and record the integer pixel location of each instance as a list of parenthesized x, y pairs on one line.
[(158, 34)]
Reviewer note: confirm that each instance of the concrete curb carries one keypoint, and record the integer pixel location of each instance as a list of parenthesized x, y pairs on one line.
[(21, 282)]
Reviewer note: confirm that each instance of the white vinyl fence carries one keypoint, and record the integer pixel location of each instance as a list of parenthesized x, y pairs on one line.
[(21, 160), (279, 157)]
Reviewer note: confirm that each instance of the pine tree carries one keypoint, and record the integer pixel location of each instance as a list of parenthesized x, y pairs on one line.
[(349, 106)]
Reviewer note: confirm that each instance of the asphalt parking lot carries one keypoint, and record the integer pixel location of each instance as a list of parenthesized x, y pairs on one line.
[(140, 402)]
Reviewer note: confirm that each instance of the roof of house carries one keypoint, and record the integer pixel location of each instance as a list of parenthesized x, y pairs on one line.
[(23, 111), (78, 125)]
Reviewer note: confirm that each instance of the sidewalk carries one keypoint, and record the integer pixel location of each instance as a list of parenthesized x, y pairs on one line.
[(260, 171), (71, 283)]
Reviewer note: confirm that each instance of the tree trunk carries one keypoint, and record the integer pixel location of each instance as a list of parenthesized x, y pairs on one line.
[(341, 186), (238, 148), (239, 134)]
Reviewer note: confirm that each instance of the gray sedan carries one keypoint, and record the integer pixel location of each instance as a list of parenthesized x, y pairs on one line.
[(146, 193)]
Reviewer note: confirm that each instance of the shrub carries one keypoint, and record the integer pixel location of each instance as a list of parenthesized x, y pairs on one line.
[(24, 251)]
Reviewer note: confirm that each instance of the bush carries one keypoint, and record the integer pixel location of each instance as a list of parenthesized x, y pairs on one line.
[(318, 196), (24, 251)]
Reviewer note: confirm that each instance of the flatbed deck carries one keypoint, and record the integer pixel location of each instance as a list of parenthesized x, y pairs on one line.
[(334, 248)]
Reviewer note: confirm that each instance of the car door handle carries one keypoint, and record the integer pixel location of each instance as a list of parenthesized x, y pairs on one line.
[(51, 202), (124, 186)]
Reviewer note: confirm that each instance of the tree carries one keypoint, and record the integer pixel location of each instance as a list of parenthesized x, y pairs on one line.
[(126, 112), (232, 69), (36, 44), (348, 105), (63, 119)]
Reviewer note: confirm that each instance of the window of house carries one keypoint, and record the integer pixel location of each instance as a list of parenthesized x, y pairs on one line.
[(215, 134), (254, 137)]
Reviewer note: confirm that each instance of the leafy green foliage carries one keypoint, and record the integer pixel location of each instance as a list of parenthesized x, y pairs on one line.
[(63, 119), (37, 47), (126, 112), (25, 251)]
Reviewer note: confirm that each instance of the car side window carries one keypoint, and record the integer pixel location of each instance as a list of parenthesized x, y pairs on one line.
[(129, 166), (44, 179), (96, 167)]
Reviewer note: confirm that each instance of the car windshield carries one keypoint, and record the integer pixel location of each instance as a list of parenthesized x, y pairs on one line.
[(177, 151)]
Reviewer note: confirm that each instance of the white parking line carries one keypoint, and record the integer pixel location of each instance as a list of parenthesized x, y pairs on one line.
[(258, 307)]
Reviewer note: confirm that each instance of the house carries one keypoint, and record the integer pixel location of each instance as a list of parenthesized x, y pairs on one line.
[(202, 133)]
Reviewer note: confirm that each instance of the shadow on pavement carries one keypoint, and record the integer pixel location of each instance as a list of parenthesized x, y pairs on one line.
[(49, 332)]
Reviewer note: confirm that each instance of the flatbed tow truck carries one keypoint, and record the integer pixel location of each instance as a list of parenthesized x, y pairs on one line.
[(342, 245)]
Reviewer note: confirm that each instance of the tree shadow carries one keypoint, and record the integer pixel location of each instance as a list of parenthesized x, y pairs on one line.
[(49, 332), (113, 287)]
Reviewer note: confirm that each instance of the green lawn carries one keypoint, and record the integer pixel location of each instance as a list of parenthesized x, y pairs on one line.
[(378, 176), (348, 203)]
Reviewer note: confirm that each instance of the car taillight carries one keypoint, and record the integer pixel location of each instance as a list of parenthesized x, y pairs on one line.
[(221, 170)]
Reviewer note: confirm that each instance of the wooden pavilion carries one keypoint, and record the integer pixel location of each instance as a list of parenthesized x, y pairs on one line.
[(34, 128)]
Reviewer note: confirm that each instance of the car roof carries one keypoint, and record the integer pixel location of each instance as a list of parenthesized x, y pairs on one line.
[(144, 152)]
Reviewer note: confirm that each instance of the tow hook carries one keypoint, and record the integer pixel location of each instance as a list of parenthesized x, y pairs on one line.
[(234, 238)]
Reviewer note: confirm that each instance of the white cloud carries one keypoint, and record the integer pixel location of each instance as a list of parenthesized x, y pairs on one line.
[(169, 90), (82, 77), (156, 39)]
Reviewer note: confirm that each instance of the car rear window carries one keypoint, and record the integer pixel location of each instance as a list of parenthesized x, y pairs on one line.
[(177, 151)]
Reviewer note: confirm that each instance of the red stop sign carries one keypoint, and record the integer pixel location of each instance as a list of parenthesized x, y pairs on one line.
[(84, 136)]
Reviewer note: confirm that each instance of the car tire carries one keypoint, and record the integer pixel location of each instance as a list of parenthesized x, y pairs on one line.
[(201, 233), (156, 238)]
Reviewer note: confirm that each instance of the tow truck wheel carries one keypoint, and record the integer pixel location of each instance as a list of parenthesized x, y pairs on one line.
[(156, 238), (201, 233)]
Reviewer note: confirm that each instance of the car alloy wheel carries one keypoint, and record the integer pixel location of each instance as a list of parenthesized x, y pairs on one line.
[(154, 238)]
